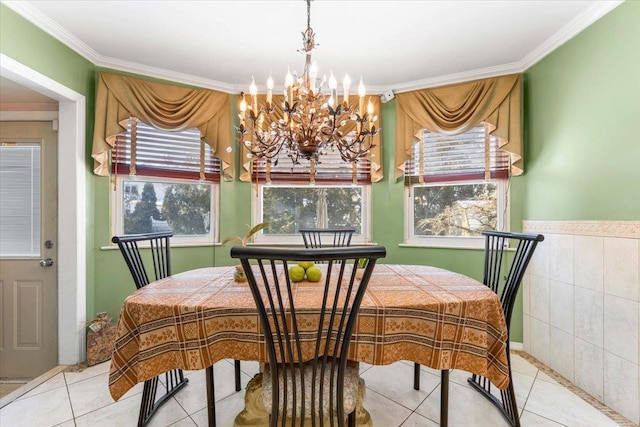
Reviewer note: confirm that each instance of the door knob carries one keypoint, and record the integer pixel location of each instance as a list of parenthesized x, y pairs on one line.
[(46, 262)]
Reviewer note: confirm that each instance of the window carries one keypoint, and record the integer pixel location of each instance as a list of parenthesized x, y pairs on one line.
[(455, 190), (290, 207), (19, 200), (175, 186), (338, 196)]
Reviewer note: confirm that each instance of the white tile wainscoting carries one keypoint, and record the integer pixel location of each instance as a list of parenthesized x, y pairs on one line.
[(581, 305)]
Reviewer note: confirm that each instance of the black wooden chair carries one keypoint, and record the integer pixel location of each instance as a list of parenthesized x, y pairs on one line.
[(327, 237), (140, 268), (499, 269), (309, 378)]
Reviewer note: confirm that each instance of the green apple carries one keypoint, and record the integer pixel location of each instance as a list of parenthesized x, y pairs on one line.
[(306, 264), (296, 273), (314, 274)]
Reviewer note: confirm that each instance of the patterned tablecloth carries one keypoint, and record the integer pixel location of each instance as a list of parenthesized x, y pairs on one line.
[(427, 315)]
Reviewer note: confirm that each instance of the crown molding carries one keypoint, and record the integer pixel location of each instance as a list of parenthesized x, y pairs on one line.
[(49, 26), (465, 76), (566, 33), (161, 73), (575, 26)]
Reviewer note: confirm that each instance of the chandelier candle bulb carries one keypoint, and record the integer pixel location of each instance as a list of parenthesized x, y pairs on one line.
[(345, 86), (253, 90), (269, 91), (243, 109), (313, 75), (362, 91), (288, 83), (333, 86)]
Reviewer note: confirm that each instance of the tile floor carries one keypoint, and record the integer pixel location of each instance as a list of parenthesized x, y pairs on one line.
[(82, 399)]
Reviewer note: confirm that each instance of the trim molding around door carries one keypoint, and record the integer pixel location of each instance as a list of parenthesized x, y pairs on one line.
[(72, 206)]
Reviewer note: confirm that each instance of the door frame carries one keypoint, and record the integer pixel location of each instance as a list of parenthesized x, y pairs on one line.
[(72, 206)]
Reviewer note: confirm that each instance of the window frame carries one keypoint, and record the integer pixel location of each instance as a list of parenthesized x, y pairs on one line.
[(468, 242), (117, 218), (296, 238)]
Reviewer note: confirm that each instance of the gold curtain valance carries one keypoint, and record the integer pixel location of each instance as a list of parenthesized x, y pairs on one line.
[(459, 108), (375, 156), (164, 106)]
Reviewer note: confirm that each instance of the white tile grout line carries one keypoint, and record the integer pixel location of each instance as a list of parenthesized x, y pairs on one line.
[(31, 385)]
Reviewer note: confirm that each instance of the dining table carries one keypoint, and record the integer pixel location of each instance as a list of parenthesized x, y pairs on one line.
[(431, 316)]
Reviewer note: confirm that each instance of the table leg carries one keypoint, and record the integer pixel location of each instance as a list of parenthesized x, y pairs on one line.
[(236, 367), (444, 398), (211, 397), (255, 415)]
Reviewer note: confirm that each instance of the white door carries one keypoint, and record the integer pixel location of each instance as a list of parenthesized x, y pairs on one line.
[(28, 242)]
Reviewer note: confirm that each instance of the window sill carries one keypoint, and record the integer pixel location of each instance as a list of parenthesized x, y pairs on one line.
[(446, 246), (441, 246)]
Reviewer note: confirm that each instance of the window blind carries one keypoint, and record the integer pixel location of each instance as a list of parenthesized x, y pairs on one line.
[(147, 151), (330, 169), (467, 156), (20, 200)]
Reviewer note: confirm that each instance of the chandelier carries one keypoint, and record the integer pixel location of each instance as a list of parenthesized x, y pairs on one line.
[(312, 121)]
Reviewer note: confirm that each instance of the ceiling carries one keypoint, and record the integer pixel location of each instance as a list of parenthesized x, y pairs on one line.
[(398, 45), (15, 96)]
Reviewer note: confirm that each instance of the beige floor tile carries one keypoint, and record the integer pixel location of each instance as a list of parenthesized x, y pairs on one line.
[(125, 413), (226, 411), (466, 408), (92, 371), (555, 402), (529, 419), (546, 378), (364, 367), (383, 411), (193, 397), (395, 382), (46, 409), (56, 381), (185, 422), (70, 423), (417, 420), (93, 393), (248, 367), (518, 364)]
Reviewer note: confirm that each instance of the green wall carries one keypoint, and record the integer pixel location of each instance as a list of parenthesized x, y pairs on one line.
[(582, 124), (27, 44)]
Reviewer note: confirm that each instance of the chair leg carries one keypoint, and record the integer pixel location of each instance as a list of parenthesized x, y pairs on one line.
[(507, 406), (236, 365), (211, 397), (351, 419), (175, 380), (444, 398), (416, 376)]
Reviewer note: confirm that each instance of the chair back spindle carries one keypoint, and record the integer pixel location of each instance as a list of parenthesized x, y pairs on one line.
[(160, 256), (497, 269), (307, 344), (327, 237)]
